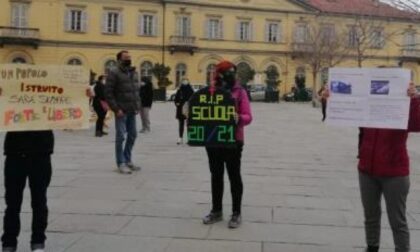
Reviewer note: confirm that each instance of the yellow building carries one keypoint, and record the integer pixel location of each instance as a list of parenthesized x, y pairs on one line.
[(190, 36)]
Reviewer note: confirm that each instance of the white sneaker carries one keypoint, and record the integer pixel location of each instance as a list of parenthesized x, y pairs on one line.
[(38, 250), (123, 169), (180, 141)]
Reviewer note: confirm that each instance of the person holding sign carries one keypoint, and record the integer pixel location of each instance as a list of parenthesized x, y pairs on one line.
[(384, 170), (122, 92), (220, 157), (28, 155)]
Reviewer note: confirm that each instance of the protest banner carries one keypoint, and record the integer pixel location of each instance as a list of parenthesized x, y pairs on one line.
[(369, 97), (211, 119), (43, 97)]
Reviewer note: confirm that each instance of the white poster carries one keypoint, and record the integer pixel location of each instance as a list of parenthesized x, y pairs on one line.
[(369, 97)]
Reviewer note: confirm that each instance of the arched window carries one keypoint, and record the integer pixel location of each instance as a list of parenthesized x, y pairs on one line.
[(210, 73), (109, 64), (245, 73), (300, 71), (181, 71), (273, 75), (19, 60), (146, 69), (74, 62)]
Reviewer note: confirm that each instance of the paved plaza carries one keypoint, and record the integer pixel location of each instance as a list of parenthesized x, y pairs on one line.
[(301, 190)]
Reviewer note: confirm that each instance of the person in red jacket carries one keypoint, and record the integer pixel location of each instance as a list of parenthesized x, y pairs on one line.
[(384, 170)]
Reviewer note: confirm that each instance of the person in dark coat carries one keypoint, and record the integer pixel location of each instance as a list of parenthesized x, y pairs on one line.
[(100, 106), (182, 96), (146, 96)]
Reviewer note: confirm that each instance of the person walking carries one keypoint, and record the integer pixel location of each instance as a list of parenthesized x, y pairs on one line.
[(100, 106), (323, 100), (384, 170), (182, 96), (146, 97), (231, 158), (123, 97)]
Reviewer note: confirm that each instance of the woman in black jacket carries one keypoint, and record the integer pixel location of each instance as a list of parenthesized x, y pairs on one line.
[(100, 106), (146, 96), (182, 96)]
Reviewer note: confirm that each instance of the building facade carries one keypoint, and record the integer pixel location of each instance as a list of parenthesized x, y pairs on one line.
[(191, 36)]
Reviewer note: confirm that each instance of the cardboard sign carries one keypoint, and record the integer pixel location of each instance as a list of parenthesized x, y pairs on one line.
[(43, 97), (211, 119)]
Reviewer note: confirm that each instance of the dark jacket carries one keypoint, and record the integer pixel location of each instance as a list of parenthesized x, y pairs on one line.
[(122, 90), (99, 95), (146, 93), (383, 152), (183, 95), (29, 142)]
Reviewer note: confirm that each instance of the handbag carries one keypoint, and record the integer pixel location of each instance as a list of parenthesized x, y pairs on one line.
[(104, 105)]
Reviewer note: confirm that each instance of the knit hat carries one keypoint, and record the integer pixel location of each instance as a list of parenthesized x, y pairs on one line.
[(224, 66)]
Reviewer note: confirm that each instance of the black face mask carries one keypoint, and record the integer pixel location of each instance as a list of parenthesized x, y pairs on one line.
[(126, 63), (228, 79)]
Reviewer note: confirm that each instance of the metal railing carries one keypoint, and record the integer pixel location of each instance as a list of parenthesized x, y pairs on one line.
[(17, 32), (410, 52), (182, 41), (302, 47)]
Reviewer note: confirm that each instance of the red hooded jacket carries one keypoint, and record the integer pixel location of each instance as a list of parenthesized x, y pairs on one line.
[(383, 152)]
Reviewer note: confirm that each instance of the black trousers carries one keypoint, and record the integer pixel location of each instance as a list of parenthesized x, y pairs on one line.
[(181, 127), (218, 158), (324, 109), (101, 118), (37, 168)]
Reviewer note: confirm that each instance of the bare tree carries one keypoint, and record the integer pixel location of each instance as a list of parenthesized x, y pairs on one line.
[(368, 35), (411, 6), (319, 45)]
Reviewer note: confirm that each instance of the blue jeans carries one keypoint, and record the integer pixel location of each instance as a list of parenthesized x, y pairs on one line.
[(125, 125)]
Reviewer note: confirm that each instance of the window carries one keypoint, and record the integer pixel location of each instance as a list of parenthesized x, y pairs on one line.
[(214, 28), (181, 72), (301, 33), (74, 62), (210, 71), (146, 69), (353, 39), (410, 41), (273, 32), (244, 31), (328, 34), (147, 25), (112, 22), (183, 26), (19, 15), (19, 60), (109, 64), (377, 38), (75, 20)]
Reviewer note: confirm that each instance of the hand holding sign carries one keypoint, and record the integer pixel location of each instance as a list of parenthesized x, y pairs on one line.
[(412, 91), (212, 119)]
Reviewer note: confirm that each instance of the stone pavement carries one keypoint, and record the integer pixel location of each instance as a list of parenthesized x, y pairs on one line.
[(301, 191)]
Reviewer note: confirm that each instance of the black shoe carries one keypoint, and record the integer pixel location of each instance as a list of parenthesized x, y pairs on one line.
[(372, 249), (98, 134), (212, 218), (9, 249), (235, 220)]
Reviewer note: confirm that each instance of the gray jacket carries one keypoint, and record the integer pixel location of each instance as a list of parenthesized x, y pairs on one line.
[(122, 90)]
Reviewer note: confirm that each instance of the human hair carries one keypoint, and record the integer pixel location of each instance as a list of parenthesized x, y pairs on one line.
[(119, 54)]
